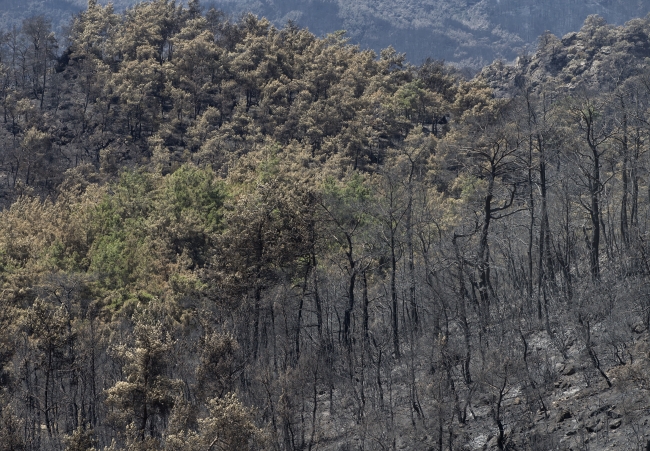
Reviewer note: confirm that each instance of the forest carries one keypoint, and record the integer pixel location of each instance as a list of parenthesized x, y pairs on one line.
[(221, 235)]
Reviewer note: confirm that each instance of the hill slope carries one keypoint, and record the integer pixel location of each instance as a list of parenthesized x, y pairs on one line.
[(220, 231), (468, 32)]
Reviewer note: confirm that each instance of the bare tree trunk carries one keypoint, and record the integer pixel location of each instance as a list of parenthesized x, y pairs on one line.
[(625, 238), (393, 293), (483, 264)]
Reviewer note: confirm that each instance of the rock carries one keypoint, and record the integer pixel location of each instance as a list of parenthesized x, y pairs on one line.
[(638, 328), (614, 414), (562, 384), (563, 415), (615, 424), (600, 410), (594, 426), (569, 369)]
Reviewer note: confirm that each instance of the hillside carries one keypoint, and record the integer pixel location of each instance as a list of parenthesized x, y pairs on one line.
[(221, 234), (470, 33)]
